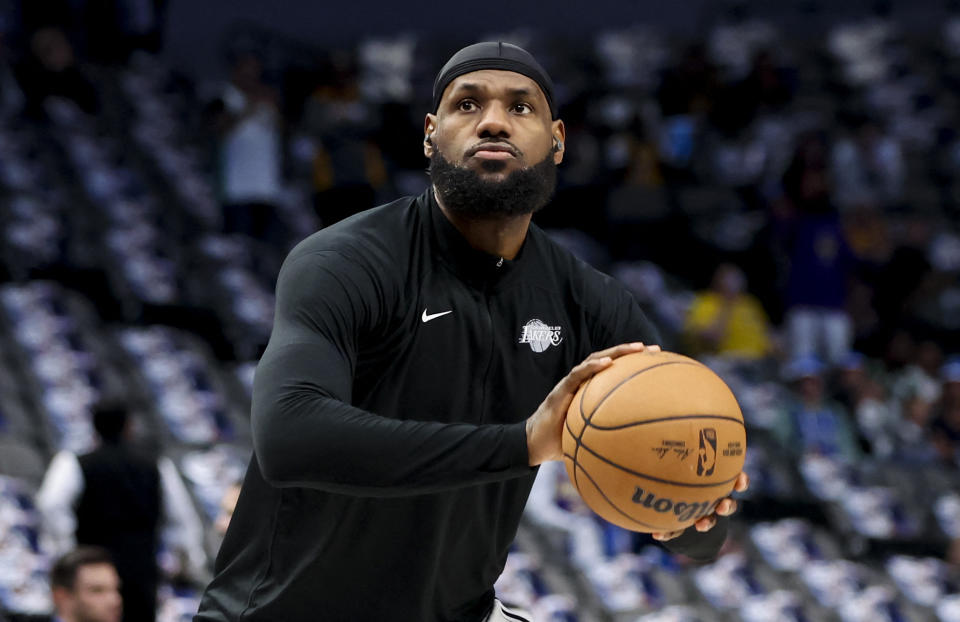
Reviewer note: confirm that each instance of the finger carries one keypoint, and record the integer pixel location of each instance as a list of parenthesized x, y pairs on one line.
[(743, 482), (666, 535), (620, 350), (726, 507), (579, 374), (653, 348), (706, 523)]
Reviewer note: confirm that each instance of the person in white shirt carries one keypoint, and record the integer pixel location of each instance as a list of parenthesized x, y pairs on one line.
[(247, 117), (117, 499)]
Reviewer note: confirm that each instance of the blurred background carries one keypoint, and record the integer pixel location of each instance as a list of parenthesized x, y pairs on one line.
[(777, 182)]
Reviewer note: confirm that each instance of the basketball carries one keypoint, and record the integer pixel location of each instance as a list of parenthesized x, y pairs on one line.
[(654, 442)]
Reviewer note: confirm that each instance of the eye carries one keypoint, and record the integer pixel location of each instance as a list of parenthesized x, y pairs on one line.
[(522, 108), (467, 105)]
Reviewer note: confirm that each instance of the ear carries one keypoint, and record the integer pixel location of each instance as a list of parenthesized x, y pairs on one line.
[(559, 132), (62, 600), (429, 129)]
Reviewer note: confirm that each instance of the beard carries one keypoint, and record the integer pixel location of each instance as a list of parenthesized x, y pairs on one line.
[(464, 192)]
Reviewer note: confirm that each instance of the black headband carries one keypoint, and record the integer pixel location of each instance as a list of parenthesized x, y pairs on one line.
[(493, 55)]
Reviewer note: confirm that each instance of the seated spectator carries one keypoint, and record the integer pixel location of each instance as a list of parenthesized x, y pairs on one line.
[(51, 70), (920, 375), (866, 399), (946, 417), (809, 422), (868, 167), (727, 320), (912, 440), (86, 587), (894, 427)]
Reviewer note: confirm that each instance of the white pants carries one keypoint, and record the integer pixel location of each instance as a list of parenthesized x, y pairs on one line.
[(502, 613), (826, 333)]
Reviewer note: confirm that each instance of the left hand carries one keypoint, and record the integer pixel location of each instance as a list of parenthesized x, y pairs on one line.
[(726, 507)]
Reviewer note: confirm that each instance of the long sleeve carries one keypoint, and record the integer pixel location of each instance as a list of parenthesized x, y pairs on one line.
[(306, 432), (701, 547), (61, 488)]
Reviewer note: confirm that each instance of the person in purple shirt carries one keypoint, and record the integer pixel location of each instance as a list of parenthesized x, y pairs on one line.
[(820, 260)]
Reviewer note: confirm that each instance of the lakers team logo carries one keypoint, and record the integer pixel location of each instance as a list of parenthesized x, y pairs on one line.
[(540, 336), (707, 456)]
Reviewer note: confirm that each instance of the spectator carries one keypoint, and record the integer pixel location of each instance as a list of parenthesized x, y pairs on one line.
[(11, 95), (247, 117), (868, 167), (820, 261), (946, 417), (906, 275), (685, 95), (348, 165), (860, 394), (115, 498), (809, 422), (86, 587), (727, 320), (921, 375), (767, 87), (115, 28), (691, 86), (51, 70), (912, 440), (637, 204)]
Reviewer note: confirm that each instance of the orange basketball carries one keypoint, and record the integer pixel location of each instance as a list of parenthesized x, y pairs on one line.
[(654, 442)]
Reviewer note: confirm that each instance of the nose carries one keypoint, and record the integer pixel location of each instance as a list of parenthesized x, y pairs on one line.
[(494, 121)]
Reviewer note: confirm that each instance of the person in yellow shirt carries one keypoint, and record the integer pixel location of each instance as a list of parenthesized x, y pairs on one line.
[(727, 320)]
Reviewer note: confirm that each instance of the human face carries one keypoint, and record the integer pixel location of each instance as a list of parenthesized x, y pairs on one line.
[(493, 122), (95, 596)]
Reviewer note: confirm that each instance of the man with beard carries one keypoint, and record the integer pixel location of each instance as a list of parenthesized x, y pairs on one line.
[(422, 359)]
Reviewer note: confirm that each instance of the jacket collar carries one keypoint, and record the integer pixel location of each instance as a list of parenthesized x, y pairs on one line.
[(477, 268)]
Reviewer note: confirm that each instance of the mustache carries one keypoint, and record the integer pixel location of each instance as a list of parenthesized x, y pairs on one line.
[(464, 191), (494, 145)]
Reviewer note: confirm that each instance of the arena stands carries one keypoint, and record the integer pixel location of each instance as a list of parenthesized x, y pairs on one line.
[(811, 164)]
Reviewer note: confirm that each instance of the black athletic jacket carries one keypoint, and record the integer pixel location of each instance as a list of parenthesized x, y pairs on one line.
[(390, 458)]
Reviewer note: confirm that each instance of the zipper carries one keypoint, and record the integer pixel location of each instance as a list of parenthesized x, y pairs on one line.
[(486, 373), (484, 386)]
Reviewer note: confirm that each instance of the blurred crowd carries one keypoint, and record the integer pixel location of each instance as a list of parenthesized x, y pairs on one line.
[(786, 210)]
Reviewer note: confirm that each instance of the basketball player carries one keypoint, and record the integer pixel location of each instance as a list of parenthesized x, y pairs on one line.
[(422, 359)]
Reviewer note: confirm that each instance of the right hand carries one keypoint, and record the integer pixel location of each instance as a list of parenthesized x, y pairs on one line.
[(545, 426)]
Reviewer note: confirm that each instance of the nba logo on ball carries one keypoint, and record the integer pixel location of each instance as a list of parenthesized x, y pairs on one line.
[(707, 456), (540, 336), (654, 441)]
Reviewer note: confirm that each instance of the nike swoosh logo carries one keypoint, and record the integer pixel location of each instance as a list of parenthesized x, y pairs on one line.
[(426, 317)]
